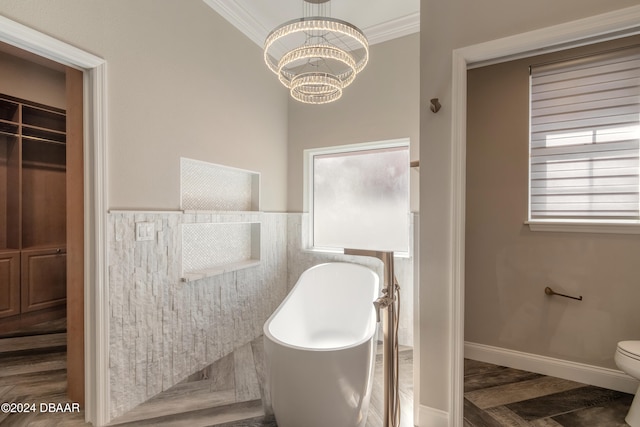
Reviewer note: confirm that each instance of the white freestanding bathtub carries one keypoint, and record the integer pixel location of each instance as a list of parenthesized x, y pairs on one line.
[(320, 348)]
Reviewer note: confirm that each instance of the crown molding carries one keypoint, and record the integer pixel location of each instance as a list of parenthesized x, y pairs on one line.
[(393, 28), (240, 18), (252, 27)]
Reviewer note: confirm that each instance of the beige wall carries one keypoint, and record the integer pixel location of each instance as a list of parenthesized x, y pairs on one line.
[(508, 266), (445, 26), (181, 82), (381, 104), (34, 82)]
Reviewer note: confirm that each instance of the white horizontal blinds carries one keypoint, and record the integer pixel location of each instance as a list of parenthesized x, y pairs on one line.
[(585, 138)]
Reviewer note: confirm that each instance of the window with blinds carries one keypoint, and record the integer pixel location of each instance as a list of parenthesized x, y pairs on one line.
[(585, 138)]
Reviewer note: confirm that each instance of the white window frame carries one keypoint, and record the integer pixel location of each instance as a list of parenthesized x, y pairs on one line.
[(618, 226), (309, 154)]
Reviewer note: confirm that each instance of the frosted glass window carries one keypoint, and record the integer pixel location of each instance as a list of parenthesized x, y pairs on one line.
[(361, 199)]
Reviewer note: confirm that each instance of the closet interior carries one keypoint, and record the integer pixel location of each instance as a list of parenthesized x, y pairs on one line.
[(32, 213)]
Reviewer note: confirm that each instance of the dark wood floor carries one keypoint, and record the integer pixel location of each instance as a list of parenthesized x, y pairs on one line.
[(497, 396)]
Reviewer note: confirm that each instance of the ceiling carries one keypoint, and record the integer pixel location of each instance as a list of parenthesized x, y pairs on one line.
[(380, 20)]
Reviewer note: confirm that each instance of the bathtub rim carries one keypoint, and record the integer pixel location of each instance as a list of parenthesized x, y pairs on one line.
[(267, 333)]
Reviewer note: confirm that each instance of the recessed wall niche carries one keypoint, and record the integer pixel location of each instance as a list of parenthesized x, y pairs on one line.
[(210, 187), (232, 197)]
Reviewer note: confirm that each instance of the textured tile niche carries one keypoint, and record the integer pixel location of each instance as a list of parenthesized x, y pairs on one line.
[(163, 329), (210, 249)]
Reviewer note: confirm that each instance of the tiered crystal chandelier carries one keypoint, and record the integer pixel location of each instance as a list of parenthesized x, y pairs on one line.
[(316, 56)]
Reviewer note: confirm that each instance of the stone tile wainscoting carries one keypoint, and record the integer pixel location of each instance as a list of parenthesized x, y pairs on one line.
[(163, 330), (229, 390)]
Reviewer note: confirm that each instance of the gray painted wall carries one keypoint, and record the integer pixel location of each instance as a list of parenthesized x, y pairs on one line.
[(445, 26), (508, 266)]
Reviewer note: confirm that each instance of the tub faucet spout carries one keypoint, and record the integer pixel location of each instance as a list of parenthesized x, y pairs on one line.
[(382, 303)]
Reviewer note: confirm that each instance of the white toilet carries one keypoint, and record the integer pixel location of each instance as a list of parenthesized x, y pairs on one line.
[(628, 360)]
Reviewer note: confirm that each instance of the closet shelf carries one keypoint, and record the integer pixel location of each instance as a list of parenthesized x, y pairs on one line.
[(45, 140), (44, 165), (62, 247)]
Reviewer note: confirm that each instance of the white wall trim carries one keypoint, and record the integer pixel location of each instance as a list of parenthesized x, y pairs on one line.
[(588, 374), (597, 28), (96, 333), (457, 233), (431, 417), (46, 46)]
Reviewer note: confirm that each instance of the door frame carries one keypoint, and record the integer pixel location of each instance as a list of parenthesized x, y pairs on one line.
[(96, 304), (606, 26)]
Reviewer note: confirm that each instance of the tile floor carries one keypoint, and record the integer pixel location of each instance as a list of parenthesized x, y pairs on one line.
[(34, 370), (212, 401), (496, 396)]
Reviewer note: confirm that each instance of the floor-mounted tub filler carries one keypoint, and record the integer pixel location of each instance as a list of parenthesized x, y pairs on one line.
[(320, 347)]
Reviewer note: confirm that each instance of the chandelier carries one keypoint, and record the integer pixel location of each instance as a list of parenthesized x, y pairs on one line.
[(316, 56)]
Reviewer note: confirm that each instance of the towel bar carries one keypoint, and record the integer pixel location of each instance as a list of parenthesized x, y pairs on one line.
[(550, 291)]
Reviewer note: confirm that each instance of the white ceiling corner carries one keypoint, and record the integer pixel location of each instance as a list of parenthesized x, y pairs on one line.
[(240, 18), (393, 28), (380, 20)]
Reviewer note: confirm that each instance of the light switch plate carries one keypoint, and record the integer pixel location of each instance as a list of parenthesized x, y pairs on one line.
[(145, 231)]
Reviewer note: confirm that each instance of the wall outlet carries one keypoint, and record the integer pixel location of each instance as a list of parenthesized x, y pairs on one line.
[(145, 231)]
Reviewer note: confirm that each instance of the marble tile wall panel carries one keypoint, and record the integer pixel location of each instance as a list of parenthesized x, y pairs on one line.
[(162, 330)]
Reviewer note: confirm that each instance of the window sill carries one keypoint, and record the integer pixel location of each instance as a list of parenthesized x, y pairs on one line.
[(630, 227)]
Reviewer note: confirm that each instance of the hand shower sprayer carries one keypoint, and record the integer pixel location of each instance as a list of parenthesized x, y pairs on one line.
[(390, 302)]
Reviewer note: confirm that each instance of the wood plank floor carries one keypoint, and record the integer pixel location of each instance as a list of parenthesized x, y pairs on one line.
[(31, 374), (496, 396), (211, 401), (33, 370)]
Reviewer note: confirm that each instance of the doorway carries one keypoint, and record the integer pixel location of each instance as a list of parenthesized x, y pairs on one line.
[(95, 301), (610, 25), (42, 209)]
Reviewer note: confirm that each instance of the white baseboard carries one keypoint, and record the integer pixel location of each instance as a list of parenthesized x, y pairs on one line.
[(431, 417), (579, 372)]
